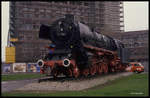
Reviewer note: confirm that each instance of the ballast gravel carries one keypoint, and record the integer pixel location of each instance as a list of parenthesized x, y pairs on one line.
[(73, 85)]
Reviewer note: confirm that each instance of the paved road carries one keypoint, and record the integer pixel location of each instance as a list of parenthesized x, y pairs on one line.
[(11, 85)]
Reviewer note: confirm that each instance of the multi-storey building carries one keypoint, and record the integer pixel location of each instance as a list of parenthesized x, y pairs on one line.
[(26, 18), (137, 44)]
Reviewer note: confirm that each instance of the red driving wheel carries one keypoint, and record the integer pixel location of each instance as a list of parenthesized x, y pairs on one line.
[(76, 72), (100, 70), (105, 68), (93, 70), (86, 72)]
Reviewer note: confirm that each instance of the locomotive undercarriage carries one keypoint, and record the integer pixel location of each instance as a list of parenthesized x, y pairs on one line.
[(102, 62)]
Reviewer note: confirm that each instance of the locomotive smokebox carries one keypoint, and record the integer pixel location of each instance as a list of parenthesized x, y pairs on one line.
[(69, 17)]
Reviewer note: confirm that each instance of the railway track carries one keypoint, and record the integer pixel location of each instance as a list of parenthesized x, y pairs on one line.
[(63, 78), (69, 84)]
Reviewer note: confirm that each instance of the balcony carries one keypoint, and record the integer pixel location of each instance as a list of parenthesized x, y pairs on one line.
[(13, 39), (13, 35), (11, 28), (12, 4)]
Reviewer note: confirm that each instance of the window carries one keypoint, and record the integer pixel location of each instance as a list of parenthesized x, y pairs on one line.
[(121, 19), (42, 15), (36, 26), (26, 27), (121, 14), (86, 4), (79, 2), (121, 9), (28, 15), (41, 10), (29, 37), (21, 37), (64, 2), (136, 44), (121, 23), (121, 28), (121, 5), (25, 9), (72, 2)]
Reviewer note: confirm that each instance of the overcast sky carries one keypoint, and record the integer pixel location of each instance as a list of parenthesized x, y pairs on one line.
[(135, 18)]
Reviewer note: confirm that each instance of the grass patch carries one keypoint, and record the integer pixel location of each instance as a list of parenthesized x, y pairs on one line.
[(134, 85), (21, 76)]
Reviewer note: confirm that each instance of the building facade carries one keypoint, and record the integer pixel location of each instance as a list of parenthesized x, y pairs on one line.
[(137, 44), (26, 18)]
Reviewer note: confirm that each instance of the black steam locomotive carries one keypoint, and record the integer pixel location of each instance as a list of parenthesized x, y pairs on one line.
[(78, 48)]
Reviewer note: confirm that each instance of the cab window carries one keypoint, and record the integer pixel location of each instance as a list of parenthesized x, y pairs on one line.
[(136, 64), (130, 64)]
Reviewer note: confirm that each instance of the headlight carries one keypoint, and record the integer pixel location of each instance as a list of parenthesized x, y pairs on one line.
[(66, 62), (40, 63), (138, 68)]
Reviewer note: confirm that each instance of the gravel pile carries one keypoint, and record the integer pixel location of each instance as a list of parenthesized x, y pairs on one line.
[(72, 85)]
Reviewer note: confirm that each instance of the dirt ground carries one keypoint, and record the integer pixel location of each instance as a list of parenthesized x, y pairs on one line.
[(72, 85)]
